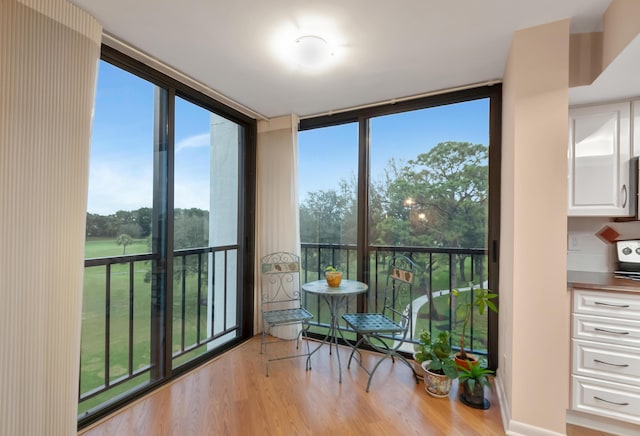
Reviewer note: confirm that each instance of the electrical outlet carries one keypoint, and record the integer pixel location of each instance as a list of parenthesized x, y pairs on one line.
[(574, 243)]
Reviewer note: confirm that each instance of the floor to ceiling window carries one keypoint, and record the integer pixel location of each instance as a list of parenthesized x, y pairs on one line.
[(428, 187), (328, 168), (165, 273)]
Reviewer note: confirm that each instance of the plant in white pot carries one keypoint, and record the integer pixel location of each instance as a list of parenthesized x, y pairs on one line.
[(464, 308), (420, 353), (438, 365)]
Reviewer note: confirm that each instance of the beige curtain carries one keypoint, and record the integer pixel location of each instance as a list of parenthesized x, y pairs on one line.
[(49, 51), (277, 216)]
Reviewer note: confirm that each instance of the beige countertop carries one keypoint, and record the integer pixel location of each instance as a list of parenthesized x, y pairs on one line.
[(601, 281)]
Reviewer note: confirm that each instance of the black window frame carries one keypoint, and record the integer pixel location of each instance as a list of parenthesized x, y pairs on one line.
[(362, 116), (163, 213)]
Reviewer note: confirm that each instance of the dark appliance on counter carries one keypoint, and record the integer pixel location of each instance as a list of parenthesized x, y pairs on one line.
[(628, 254)]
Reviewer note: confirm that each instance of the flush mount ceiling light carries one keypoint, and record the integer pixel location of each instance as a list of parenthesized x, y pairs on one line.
[(311, 51), (310, 44)]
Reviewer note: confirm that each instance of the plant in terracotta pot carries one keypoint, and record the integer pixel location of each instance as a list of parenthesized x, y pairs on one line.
[(333, 276), (438, 364), (473, 379), (464, 308)]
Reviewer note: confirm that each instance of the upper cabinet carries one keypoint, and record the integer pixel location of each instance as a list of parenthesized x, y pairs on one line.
[(599, 161)]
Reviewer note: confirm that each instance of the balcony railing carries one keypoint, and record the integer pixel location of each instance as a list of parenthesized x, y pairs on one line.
[(118, 295), (119, 325), (431, 305)]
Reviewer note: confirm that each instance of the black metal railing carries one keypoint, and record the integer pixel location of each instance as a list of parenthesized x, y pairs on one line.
[(118, 291), (430, 304), (193, 265)]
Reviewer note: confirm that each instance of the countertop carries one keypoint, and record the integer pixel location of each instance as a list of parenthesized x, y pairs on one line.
[(601, 281)]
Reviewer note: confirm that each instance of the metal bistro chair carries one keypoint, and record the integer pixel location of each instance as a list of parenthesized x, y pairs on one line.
[(281, 305), (385, 332)]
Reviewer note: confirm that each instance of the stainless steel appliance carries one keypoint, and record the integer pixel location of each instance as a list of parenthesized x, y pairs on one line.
[(628, 254)]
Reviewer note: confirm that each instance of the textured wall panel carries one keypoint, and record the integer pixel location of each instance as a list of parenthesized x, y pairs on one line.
[(48, 58)]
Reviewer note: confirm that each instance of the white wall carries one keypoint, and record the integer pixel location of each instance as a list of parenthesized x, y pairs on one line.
[(534, 301), (586, 251)]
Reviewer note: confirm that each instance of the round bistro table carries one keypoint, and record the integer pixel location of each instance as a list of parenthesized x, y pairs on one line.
[(334, 296)]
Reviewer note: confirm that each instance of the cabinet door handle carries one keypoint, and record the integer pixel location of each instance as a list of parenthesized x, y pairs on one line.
[(619, 365), (624, 306), (610, 331), (610, 402), (624, 189)]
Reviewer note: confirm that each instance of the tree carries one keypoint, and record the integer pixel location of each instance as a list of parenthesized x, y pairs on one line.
[(449, 188), (190, 228), (96, 225), (330, 217), (131, 229), (439, 199), (124, 240)]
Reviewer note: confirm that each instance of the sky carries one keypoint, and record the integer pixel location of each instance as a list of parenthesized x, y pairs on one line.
[(121, 166), (400, 136)]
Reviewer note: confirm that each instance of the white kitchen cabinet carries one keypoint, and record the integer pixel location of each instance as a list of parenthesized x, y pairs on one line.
[(605, 370), (599, 161)]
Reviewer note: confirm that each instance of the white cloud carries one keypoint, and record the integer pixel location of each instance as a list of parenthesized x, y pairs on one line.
[(191, 193), (118, 185), (194, 141)]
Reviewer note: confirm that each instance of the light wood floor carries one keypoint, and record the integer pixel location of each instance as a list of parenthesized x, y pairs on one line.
[(232, 396)]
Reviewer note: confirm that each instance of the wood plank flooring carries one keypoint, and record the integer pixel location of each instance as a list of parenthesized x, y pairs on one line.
[(232, 396)]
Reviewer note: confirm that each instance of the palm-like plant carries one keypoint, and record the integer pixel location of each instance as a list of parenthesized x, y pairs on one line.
[(474, 374), (482, 300)]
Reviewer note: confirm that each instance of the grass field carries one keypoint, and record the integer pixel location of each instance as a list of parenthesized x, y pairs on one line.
[(122, 302)]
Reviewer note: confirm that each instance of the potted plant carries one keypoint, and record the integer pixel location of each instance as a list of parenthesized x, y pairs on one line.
[(464, 307), (438, 364), (420, 353), (473, 378), (333, 276)]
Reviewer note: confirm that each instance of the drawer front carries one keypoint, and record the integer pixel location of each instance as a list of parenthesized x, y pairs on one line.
[(613, 304), (606, 361), (609, 330), (613, 400)]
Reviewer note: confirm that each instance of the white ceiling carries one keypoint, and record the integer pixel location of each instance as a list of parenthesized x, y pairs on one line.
[(385, 49)]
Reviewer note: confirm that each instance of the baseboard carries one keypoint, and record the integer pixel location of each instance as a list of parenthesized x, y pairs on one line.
[(505, 411), (601, 423), (516, 428)]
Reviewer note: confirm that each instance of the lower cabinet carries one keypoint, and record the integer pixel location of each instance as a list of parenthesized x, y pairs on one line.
[(605, 351), (613, 400)]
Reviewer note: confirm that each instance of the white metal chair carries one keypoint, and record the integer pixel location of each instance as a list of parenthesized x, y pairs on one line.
[(281, 303), (386, 331)]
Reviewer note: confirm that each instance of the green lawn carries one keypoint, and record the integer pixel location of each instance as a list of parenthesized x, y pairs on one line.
[(107, 247), (94, 349)]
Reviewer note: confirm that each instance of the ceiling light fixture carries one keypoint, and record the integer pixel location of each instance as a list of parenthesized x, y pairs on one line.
[(312, 51)]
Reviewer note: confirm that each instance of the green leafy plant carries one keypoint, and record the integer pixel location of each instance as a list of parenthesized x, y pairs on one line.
[(482, 300), (438, 352), (331, 268), (476, 373)]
